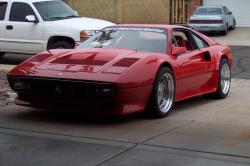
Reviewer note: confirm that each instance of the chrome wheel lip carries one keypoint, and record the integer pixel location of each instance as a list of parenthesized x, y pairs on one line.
[(165, 92), (225, 79)]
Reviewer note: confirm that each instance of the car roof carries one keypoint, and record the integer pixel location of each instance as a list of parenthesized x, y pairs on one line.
[(211, 6), (164, 26), (29, 0)]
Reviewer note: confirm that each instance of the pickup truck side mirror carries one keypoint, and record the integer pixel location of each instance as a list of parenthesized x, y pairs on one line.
[(31, 18), (178, 50), (230, 13), (76, 12)]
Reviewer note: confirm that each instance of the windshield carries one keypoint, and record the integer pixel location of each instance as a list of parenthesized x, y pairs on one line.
[(54, 10), (209, 11), (139, 39)]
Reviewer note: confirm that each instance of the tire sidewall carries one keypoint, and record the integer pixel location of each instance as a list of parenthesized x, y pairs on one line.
[(61, 45), (2, 54), (234, 25), (219, 89), (155, 110)]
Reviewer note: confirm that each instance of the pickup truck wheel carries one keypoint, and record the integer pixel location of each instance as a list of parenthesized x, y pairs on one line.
[(61, 45), (2, 54)]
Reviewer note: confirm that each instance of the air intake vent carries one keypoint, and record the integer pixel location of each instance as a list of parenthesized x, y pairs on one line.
[(125, 62)]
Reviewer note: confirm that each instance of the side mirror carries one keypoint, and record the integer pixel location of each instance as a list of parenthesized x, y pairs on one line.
[(178, 50), (76, 12), (230, 13), (31, 18)]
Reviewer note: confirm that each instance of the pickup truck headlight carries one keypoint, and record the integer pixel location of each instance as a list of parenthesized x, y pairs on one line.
[(84, 35)]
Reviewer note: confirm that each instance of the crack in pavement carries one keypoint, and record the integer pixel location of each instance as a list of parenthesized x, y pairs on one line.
[(133, 144)]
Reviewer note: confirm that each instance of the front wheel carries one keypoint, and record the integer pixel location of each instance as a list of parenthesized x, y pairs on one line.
[(224, 80), (61, 45), (163, 94)]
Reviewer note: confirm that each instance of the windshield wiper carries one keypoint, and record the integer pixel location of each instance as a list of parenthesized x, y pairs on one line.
[(72, 16), (56, 18)]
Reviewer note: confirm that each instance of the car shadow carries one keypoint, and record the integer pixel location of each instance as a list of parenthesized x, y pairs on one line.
[(13, 59), (77, 117)]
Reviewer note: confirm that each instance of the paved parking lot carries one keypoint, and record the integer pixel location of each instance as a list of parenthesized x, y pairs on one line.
[(198, 132), (237, 37)]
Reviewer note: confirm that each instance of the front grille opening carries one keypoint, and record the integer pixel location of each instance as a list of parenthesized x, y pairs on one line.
[(60, 88)]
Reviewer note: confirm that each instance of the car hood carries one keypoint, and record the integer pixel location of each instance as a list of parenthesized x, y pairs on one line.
[(102, 65), (206, 17), (84, 23), (88, 60)]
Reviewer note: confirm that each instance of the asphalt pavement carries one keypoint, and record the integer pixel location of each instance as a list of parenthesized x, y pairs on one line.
[(199, 132)]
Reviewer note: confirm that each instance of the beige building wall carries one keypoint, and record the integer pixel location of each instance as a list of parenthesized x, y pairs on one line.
[(125, 11)]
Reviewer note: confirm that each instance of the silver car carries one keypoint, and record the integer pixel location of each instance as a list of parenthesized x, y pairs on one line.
[(212, 19)]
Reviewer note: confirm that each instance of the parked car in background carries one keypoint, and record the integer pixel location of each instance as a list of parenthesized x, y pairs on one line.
[(212, 19), (126, 69), (32, 26)]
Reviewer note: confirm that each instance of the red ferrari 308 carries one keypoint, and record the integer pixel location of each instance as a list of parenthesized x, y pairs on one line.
[(125, 69)]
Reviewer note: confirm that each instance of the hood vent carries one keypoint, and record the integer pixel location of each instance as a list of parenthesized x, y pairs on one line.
[(125, 62), (82, 59)]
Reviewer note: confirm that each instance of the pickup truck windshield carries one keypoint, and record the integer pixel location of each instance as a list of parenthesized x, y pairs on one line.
[(54, 10), (133, 38)]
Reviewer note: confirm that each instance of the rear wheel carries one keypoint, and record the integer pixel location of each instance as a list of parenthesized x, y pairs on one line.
[(224, 81), (61, 45), (163, 94), (2, 54), (234, 25), (224, 32)]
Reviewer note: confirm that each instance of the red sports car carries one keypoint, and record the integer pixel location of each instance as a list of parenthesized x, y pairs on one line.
[(125, 69)]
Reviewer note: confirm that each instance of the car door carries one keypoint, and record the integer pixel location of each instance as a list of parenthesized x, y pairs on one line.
[(22, 36), (194, 66), (3, 7)]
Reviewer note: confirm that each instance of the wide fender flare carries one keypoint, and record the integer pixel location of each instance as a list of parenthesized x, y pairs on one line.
[(225, 53), (144, 71)]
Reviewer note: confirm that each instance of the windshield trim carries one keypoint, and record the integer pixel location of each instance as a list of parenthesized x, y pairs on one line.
[(136, 28)]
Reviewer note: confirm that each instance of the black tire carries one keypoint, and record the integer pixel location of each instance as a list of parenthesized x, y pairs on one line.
[(221, 91), (224, 32), (61, 45), (234, 25), (2, 54), (153, 108)]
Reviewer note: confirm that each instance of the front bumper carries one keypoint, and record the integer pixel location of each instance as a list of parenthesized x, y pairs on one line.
[(209, 27), (86, 96)]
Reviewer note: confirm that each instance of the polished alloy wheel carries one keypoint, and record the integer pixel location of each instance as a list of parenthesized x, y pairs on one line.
[(225, 78), (165, 92)]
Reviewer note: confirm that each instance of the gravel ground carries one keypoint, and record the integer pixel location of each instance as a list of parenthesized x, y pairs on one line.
[(7, 96)]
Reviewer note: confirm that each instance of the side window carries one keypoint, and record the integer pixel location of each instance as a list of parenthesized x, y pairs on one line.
[(183, 39), (226, 11), (19, 11), (199, 42), (3, 6)]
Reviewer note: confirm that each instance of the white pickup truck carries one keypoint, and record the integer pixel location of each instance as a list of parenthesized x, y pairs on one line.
[(32, 26)]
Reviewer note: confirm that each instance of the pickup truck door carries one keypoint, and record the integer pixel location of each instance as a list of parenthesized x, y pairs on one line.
[(22, 36), (3, 7)]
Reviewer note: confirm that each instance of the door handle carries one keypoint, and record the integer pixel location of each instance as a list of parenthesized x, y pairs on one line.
[(9, 27)]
